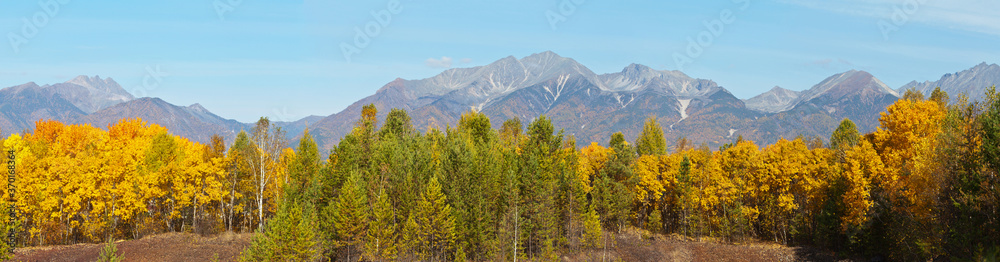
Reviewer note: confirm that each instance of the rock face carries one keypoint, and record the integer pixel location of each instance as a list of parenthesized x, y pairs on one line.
[(91, 94), (856, 95), (775, 100), (591, 106), (970, 82), (583, 104), (853, 94)]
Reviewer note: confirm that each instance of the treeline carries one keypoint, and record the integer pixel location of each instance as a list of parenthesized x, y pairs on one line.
[(78, 183), (923, 185)]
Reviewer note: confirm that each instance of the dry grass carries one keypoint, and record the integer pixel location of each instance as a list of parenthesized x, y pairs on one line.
[(162, 247), (630, 245)]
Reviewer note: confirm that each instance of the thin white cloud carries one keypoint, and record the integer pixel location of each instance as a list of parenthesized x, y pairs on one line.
[(971, 15), (465, 60), (829, 63), (444, 62)]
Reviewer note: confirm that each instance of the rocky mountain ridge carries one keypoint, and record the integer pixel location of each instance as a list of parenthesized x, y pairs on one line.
[(587, 105)]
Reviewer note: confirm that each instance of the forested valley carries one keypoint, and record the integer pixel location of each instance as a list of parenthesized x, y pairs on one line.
[(924, 185)]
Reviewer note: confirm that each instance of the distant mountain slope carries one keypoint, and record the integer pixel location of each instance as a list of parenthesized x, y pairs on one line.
[(775, 100), (853, 94), (293, 129), (591, 106), (91, 93), (856, 95), (439, 100), (971, 82), (193, 122), (637, 77), (586, 105), (21, 106)]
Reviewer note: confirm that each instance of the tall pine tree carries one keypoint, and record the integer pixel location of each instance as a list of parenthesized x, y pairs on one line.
[(651, 141), (435, 223), (380, 244), (351, 215)]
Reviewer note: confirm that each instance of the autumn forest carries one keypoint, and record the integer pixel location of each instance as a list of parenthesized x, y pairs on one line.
[(924, 185)]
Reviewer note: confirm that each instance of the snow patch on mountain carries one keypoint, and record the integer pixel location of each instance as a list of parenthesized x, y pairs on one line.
[(683, 104)]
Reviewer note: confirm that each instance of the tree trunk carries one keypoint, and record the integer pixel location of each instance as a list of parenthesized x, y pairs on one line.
[(194, 216)]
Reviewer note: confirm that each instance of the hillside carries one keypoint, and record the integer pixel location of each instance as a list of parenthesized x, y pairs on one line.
[(970, 82), (586, 105), (591, 106), (193, 122)]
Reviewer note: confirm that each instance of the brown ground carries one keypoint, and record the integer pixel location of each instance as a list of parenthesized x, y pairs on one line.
[(630, 246), (163, 247)]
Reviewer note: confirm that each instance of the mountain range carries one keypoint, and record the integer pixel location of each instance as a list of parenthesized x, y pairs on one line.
[(969, 82), (587, 105), (102, 102)]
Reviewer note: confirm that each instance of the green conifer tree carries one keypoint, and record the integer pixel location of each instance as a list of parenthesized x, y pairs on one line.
[(844, 137), (289, 236), (436, 225), (651, 141), (306, 164), (409, 243), (592, 229), (351, 216), (380, 244), (109, 253)]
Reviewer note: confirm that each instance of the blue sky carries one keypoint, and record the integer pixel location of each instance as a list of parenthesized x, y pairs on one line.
[(244, 59)]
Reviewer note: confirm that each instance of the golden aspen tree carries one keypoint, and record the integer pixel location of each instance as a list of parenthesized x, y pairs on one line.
[(32, 180), (785, 184), (127, 146), (648, 169), (593, 158), (79, 159), (199, 183), (862, 164), (210, 184), (23, 154), (906, 140), (739, 164)]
